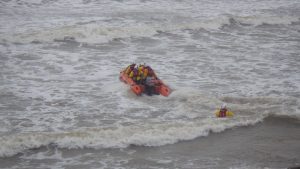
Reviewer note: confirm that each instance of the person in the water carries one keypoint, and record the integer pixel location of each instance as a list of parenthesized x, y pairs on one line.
[(223, 112)]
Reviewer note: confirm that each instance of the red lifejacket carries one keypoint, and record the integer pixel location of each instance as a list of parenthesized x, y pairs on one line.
[(223, 113)]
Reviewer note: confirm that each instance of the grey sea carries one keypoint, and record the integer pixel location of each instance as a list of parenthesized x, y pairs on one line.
[(62, 105)]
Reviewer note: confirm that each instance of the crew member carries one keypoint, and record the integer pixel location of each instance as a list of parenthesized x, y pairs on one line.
[(150, 84), (129, 69)]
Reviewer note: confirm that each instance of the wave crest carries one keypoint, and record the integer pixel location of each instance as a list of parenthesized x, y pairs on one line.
[(119, 137)]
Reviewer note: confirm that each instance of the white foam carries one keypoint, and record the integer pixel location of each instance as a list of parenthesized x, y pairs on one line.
[(101, 32), (89, 33), (120, 136), (265, 19), (279, 106)]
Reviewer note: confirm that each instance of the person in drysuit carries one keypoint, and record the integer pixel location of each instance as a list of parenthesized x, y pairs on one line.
[(150, 82), (223, 112)]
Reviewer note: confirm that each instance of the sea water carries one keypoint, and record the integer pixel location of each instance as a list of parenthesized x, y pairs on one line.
[(62, 104)]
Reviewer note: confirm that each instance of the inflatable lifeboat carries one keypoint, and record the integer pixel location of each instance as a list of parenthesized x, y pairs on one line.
[(138, 89)]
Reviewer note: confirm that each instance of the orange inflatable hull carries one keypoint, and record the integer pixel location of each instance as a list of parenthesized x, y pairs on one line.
[(138, 89)]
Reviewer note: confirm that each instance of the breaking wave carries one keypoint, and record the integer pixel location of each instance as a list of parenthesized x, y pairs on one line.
[(120, 136), (248, 111)]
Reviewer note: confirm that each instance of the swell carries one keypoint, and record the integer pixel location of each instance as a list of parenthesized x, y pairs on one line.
[(99, 32), (122, 137), (119, 136), (269, 106)]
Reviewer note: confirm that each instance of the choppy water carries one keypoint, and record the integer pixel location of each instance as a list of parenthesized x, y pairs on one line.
[(60, 62)]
